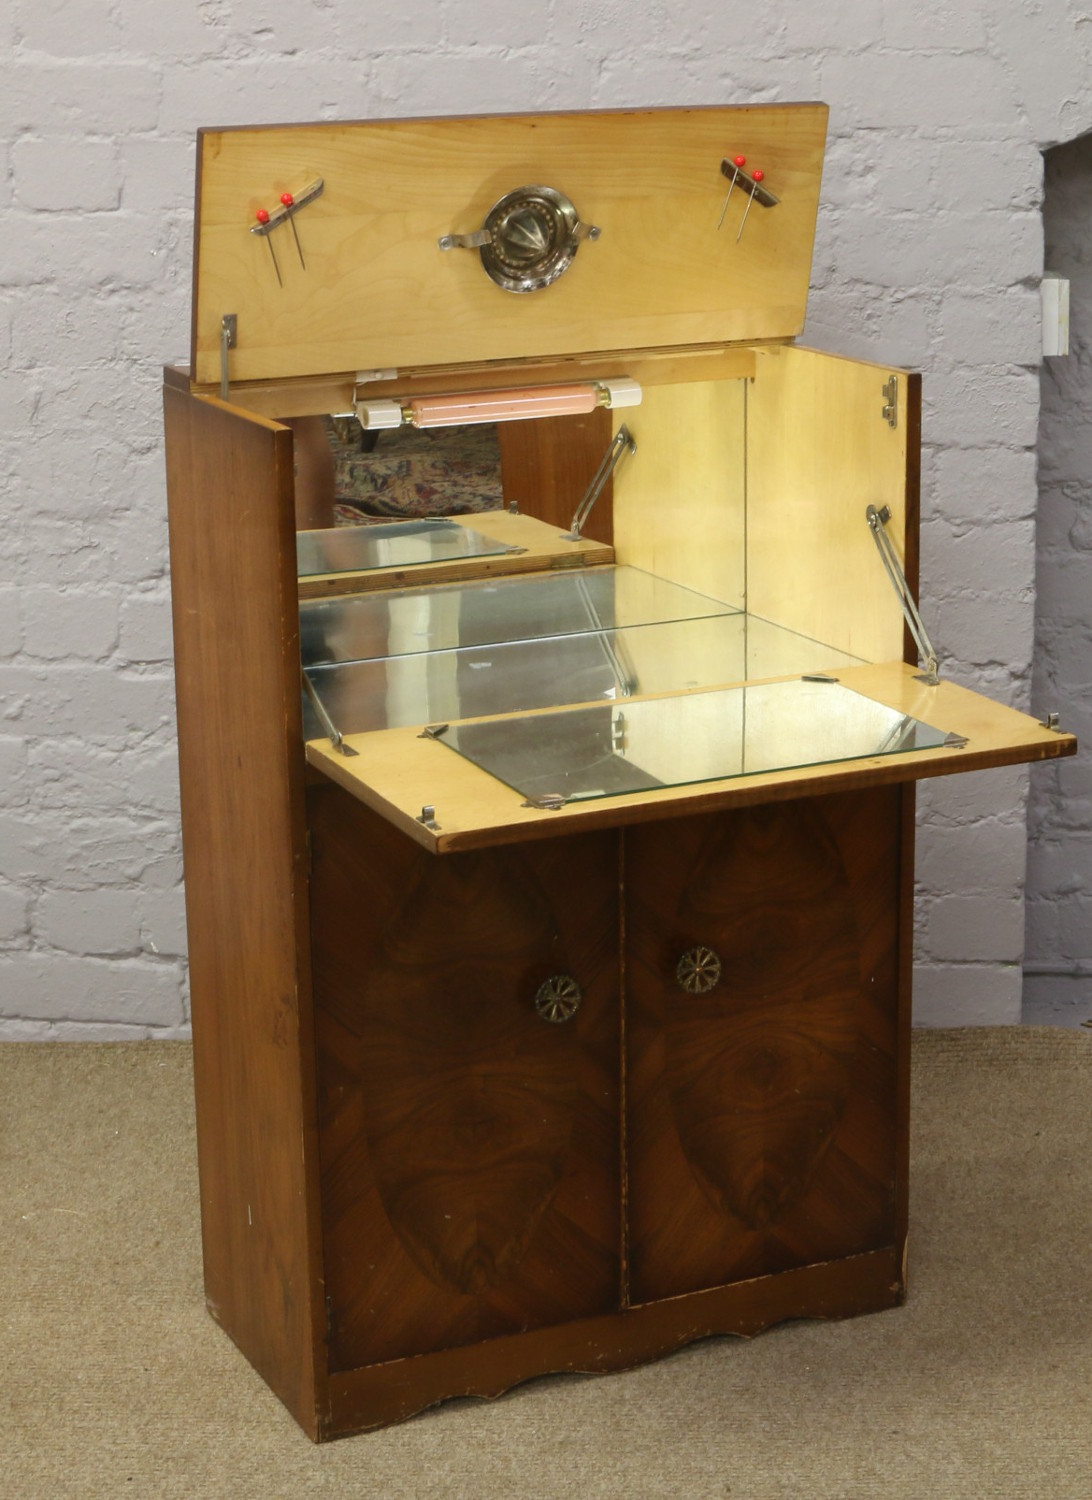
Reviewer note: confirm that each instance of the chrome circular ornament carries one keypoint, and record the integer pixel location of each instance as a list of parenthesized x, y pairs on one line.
[(698, 971), (532, 234), (558, 998)]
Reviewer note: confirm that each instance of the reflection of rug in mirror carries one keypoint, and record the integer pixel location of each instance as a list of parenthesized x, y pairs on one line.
[(448, 471)]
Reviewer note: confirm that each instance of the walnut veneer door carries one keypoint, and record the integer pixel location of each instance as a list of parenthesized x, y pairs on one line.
[(761, 1113), (469, 1148)]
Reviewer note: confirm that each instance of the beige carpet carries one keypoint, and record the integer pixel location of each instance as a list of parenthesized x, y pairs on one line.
[(113, 1381)]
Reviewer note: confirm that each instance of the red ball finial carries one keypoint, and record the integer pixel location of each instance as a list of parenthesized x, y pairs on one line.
[(740, 161), (262, 216), (758, 174), (287, 199)]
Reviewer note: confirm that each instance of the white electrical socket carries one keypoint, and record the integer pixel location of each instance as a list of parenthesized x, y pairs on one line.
[(1054, 290)]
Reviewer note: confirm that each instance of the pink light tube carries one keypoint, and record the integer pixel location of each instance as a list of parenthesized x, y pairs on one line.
[(502, 406)]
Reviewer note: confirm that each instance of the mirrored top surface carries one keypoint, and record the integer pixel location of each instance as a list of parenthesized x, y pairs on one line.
[(618, 748), (398, 544)]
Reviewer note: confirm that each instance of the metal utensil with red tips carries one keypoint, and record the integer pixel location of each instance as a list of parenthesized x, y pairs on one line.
[(289, 207), (737, 162), (262, 217), (757, 176)]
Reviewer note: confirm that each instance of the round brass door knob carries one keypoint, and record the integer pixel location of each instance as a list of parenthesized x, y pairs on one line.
[(698, 971), (558, 998)]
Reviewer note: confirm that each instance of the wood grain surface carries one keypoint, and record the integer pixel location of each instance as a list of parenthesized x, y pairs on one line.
[(397, 772), (819, 452), (761, 1115), (229, 482), (681, 499), (470, 1175), (368, 1398), (377, 291)]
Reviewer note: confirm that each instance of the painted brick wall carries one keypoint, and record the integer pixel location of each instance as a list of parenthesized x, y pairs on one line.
[(928, 254), (1058, 981)]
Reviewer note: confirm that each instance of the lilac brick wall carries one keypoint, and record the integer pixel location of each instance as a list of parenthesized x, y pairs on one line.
[(1058, 981), (928, 254)]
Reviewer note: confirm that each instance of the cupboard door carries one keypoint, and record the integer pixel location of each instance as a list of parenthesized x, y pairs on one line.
[(469, 1144), (762, 987)]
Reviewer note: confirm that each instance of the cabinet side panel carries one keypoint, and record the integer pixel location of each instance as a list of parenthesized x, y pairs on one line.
[(908, 834), (241, 769), (819, 452)]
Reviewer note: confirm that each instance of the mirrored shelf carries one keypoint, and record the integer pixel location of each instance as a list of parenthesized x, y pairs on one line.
[(398, 544), (616, 749)]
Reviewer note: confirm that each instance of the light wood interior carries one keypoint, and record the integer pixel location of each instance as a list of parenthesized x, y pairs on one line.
[(680, 499), (317, 395), (819, 452), (398, 772), (377, 292)]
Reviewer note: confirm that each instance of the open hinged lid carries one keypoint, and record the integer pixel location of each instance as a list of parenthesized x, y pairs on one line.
[(623, 236)]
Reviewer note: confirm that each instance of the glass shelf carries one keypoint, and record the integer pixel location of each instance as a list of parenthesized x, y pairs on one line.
[(472, 682), (446, 617), (463, 651)]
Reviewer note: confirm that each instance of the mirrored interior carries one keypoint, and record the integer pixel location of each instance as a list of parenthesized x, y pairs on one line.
[(610, 749), (419, 656), (348, 477), (401, 544), (660, 663), (401, 622)]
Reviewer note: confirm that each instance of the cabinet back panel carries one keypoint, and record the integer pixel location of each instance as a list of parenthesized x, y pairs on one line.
[(679, 500)]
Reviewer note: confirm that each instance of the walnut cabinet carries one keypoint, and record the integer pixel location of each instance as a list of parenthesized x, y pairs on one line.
[(548, 885)]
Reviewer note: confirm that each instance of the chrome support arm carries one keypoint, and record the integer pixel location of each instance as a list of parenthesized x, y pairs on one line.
[(622, 443), (337, 739), (877, 521)]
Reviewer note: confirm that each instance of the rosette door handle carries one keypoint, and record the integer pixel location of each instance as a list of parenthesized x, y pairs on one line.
[(698, 970), (558, 998)]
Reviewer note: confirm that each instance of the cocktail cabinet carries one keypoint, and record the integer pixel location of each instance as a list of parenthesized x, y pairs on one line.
[(548, 852)]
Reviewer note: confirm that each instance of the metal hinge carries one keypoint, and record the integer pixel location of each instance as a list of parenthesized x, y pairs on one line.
[(229, 337), (891, 402)]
